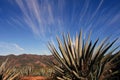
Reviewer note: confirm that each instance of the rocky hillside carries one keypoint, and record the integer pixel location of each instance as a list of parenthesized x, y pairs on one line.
[(28, 60)]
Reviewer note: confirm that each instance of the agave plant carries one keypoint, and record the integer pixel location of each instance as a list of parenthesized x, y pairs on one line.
[(8, 72), (26, 71), (83, 59)]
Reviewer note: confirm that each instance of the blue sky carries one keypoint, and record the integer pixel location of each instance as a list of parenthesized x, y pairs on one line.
[(26, 26)]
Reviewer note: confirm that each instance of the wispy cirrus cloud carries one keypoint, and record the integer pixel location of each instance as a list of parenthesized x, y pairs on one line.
[(40, 16), (6, 47), (52, 16), (16, 22)]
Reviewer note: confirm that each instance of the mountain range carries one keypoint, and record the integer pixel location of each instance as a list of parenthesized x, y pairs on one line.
[(28, 60)]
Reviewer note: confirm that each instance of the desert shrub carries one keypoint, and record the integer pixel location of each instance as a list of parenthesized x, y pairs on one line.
[(84, 59), (8, 71)]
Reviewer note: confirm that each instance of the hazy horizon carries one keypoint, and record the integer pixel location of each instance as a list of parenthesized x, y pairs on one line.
[(26, 26)]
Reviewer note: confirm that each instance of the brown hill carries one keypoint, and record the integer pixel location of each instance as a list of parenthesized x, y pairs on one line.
[(28, 60)]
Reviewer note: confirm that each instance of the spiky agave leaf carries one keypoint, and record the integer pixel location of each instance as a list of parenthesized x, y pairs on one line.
[(7, 71), (26, 71), (84, 59)]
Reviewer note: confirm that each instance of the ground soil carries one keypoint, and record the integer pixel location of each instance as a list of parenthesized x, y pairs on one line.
[(35, 78)]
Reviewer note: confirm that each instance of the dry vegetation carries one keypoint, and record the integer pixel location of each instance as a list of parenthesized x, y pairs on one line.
[(80, 59), (83, 59)]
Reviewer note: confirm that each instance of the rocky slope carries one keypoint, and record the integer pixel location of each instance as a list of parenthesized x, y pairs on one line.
[(28, 60)]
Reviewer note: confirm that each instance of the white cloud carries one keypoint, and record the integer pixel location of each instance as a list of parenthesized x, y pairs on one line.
[(40, 16), (50, 17), (4, 46), (37, 16), (115, 19), (18, 47)]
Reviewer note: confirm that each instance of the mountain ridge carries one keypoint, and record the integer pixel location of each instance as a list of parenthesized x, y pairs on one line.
[(27, 60)]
